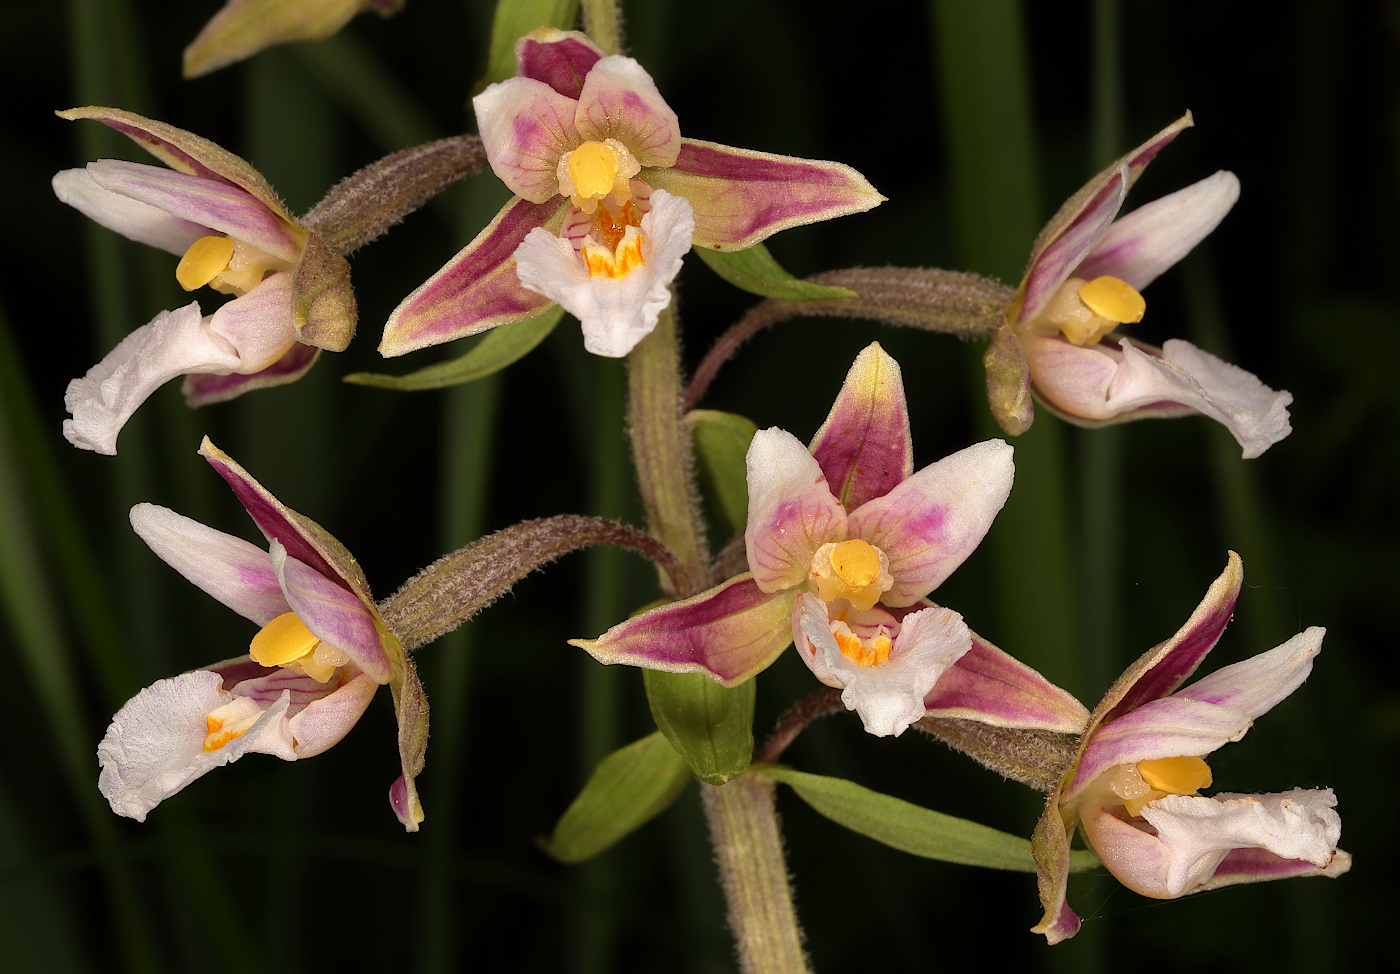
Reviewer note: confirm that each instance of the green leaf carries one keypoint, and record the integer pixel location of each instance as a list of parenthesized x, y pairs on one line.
[(629, 788), (911, 828), (721, 444), (756, 271), (709, 726), (501, 347), (514, 19)]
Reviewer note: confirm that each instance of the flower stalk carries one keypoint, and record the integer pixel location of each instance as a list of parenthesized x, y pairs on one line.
[(749, 848)]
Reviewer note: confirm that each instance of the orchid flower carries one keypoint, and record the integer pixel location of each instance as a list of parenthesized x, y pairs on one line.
[(608, 198), (245, 27), (1133, 784), (1086, 272), (322, 651), (292, 294), (844, 542)]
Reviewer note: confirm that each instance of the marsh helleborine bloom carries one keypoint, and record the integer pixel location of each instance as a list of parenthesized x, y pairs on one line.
[(609, 197), (1133, 785), (321, 653), (844, 541), (292, 295), (1086, 272), (245, 27)]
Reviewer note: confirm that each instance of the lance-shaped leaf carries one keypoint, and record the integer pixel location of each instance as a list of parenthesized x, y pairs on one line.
[(244, 27), (710, 726), (627, 789), (721, 443), (476, 290), (911, 828), (742, 197), (500, 348), (756, 271)]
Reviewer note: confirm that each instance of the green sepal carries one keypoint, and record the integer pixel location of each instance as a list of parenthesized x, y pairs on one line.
[(911, 828), (754, 270), (721, 445), (629, 788), (501, 347), (709, 726), (514, 19)]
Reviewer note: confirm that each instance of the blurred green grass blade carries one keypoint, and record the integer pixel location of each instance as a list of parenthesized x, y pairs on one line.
[(514, 19), (756, 271), (982, 59), (32, 613), (911, 828), (359, 82), (500, 348), (629, 788), (36, 933)]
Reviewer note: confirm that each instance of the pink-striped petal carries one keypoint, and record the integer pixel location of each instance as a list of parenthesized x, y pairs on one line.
[(131, 218), (729, 633), (1078, 225), (1256, 685), (206, 202), (792, 512), (1167, 728), (203, 389), (1259, 865), (238, 574), (259, 325), (1165, 667), (620, 101), (325, 721), (864, 447), (930, 523), (186, 153), (993, 687), (526, 126), (561, 59), (303, 538), (742, 197), (476, 290), (334, 616), (1139, 247)]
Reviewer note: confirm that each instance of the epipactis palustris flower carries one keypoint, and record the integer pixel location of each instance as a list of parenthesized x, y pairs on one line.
[(608, 198), (322, 651), (1133, 786), (245, 27), (292, 294), (1083, 284), (844, 541)]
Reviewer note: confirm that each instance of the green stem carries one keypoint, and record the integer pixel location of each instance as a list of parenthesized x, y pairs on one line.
[(749, 849), (661, 450)]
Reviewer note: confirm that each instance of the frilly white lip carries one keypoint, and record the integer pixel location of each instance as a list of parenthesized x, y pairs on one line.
[(616, 313)]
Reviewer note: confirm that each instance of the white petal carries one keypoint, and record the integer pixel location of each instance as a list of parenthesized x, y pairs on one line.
[(615, 313), (173, 343), (1140, 246), (238, 574), (259, 325), (155, 744), (131, 218), (1256, 415), (1198, 831), (1256, 685)]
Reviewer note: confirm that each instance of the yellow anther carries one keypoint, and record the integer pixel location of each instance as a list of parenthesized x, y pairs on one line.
[(856, 563), (864, 652), (593, 167), (602, 262), (1111, 298), (204, 260), (282, 640), (1176, 776)]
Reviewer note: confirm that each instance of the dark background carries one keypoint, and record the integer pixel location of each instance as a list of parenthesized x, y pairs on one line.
[(975, 120)]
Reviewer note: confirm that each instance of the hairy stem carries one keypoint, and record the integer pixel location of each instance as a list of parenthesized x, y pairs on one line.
[(749, 850), (1035, 758), (823, 703), (964, 305), (661, 450)]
